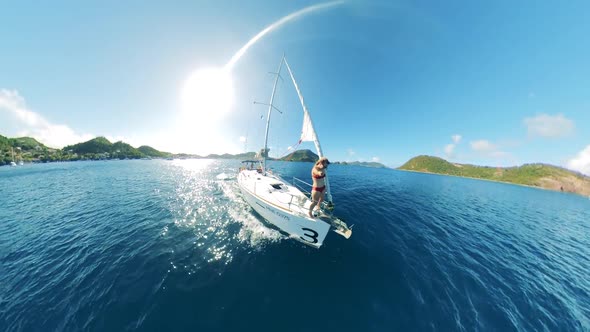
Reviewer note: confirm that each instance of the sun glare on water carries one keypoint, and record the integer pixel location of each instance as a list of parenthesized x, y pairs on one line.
[(207, 95)]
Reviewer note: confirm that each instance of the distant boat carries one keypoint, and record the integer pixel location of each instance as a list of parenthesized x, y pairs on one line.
[(12, 163), (285, 205)]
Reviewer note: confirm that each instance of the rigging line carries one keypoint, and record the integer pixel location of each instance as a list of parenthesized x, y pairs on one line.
[(279, 123), (247, 131), (293, 148)]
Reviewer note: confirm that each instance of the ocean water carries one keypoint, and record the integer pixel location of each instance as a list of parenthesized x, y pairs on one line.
[(170, 245)]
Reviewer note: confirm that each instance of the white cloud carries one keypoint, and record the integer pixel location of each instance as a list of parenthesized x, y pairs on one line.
[(482, 146), (581, 162), (376, 159), (449, 149), (18, 120), (488, 149), (242, 139), (351, 152), (551, 126)]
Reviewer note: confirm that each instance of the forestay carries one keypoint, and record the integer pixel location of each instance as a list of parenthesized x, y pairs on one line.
[(308, 133)]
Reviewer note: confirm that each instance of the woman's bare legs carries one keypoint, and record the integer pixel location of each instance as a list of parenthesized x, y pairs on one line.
[(316, 200), (319, 207)]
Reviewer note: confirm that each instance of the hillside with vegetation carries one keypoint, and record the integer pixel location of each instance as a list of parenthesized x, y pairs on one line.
[(309, 156), (102, 148), (29, 150), (536, 175), (25, 149), (301, 155), (151, 152)]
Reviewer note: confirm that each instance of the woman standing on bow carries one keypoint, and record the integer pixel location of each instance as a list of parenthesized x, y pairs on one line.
[(318, 173)]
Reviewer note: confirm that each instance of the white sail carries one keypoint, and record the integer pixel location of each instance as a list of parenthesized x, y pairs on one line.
[(307, 132)]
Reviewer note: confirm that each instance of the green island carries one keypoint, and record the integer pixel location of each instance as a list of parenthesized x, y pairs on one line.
[(534, 175), (309, 156), (29, 150)]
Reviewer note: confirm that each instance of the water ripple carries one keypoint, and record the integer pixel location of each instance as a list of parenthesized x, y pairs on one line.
[(155, 245)]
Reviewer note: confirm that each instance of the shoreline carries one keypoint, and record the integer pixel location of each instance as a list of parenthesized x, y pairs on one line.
[(496, 181)]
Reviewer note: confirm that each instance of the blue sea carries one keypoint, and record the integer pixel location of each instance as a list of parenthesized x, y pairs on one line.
[(157, 245)]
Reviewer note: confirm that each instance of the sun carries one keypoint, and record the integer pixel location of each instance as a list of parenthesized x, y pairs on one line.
[(207, 95)]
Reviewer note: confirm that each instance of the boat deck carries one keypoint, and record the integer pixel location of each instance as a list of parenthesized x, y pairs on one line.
[(276, 191)]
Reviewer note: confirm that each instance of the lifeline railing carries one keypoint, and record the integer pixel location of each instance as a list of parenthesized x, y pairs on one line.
[(297, 184), (326, 207)]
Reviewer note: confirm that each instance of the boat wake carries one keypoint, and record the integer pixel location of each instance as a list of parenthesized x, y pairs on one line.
[(211, 217), (223, 176), (253, 231)]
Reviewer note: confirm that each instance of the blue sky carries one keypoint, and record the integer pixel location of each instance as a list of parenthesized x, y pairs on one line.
[(495, 83)]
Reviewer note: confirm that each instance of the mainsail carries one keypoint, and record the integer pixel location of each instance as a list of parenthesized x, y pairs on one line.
[(308, 133)]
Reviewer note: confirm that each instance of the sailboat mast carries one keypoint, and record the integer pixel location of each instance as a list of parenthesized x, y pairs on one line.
[(316, 140), (270, 106)]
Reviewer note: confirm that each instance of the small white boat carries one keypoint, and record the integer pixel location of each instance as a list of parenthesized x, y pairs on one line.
[(285, 205)]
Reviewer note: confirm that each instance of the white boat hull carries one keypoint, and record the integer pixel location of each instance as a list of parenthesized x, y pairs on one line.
[(282, 205)]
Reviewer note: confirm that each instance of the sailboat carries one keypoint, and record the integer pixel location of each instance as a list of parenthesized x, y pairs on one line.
[(20, 162), (287, 205), (12, 163)]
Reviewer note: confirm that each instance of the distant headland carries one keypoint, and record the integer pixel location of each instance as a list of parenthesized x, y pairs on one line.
[(309, 156), (535, 175), (29, 150)]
